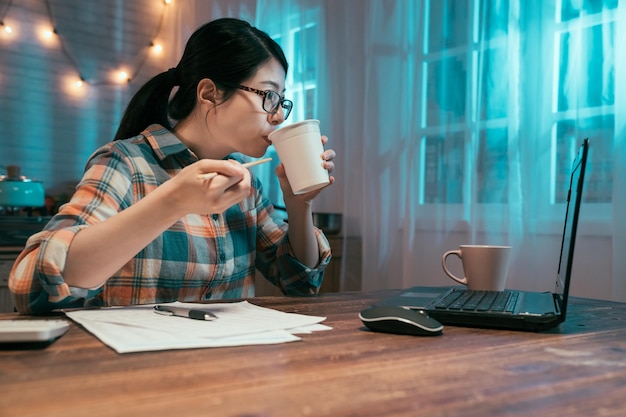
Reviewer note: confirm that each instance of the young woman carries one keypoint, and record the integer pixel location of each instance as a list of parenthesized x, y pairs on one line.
[(143, 228)]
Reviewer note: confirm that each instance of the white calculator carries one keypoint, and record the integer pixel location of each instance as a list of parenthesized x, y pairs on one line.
[(31, 330)]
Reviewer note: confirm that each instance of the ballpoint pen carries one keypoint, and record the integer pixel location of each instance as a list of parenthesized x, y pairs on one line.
[(185, 312)]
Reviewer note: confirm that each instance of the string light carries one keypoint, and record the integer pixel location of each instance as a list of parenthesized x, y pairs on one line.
[(74, 86), (122, 76), (5, 27), (157, 48), (49, 36)]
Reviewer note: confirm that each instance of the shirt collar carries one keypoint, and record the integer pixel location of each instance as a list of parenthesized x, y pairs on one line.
[(164, 143)]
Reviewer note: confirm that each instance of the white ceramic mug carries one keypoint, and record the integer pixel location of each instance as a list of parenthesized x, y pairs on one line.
[(485, 267), (299, 147)]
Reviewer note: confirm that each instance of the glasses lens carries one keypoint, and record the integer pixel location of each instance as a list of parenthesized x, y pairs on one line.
[(287, 106), (271, 101)]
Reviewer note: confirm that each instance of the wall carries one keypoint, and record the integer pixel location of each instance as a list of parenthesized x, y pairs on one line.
[(49, 126)]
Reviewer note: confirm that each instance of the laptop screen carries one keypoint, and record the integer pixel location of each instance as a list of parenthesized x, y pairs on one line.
[(571, 222)]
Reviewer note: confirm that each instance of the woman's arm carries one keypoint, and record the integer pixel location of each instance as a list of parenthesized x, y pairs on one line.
[(99, 250), (301, 230)]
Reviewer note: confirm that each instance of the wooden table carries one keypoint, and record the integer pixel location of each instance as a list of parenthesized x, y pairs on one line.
[(578, 369)]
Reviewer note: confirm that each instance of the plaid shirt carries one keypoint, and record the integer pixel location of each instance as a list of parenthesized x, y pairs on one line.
[(198, 258)]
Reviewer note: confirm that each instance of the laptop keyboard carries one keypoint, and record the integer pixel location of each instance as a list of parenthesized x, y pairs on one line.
[(480, 301)]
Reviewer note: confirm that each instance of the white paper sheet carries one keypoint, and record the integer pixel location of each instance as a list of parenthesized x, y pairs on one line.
[(139, 328)]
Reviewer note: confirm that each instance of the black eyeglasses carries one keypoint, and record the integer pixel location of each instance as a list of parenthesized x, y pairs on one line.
[(271, 100)]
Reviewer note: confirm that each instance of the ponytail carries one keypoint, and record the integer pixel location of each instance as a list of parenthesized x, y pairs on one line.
[(149, 105)]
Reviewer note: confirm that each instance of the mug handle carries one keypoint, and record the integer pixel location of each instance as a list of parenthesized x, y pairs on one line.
[(445, 268)]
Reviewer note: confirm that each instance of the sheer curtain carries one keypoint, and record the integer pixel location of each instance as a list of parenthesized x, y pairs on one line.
[(456, 121), (474, 111)]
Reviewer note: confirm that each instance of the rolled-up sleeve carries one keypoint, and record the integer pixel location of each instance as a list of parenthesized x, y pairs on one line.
[(297, 278), (36, 280)]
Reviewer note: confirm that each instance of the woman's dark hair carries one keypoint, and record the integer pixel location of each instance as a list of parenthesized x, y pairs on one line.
[(226, 51)]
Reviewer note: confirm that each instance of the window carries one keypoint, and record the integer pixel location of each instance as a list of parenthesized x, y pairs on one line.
[(476, 99), (300, 42), (584, 96), (465, 101)]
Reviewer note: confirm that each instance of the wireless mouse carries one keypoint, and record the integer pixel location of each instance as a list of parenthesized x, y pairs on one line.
[(399, 320)]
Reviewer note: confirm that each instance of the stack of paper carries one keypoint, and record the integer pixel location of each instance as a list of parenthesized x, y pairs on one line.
[(138, 328)]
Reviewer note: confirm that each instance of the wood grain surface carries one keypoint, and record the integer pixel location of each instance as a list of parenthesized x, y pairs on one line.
[(578, 369)]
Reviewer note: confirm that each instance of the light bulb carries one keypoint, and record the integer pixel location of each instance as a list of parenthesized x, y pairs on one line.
[(47, 35), (74, 86), (122, 76)]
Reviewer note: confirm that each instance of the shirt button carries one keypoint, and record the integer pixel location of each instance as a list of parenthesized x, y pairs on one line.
[(216, 217)]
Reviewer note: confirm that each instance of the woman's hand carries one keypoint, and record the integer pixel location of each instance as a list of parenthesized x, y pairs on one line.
[(327, 156), (191, 194)]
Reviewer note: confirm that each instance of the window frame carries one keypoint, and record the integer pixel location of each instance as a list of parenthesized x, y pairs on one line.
[(595, 219)]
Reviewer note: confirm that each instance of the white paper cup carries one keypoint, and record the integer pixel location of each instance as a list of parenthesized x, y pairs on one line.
[(299, 147)]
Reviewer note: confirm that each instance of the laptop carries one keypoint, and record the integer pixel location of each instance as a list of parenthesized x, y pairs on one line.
[(507, 309)]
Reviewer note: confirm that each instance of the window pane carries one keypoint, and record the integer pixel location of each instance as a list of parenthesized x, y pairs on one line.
[(311, 106), (494, 93), (492, 166), (444, 164), (305, 41), (571, 9), (445, 91), (448, 24), (599, 176), (587, 72), (494, 18)]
